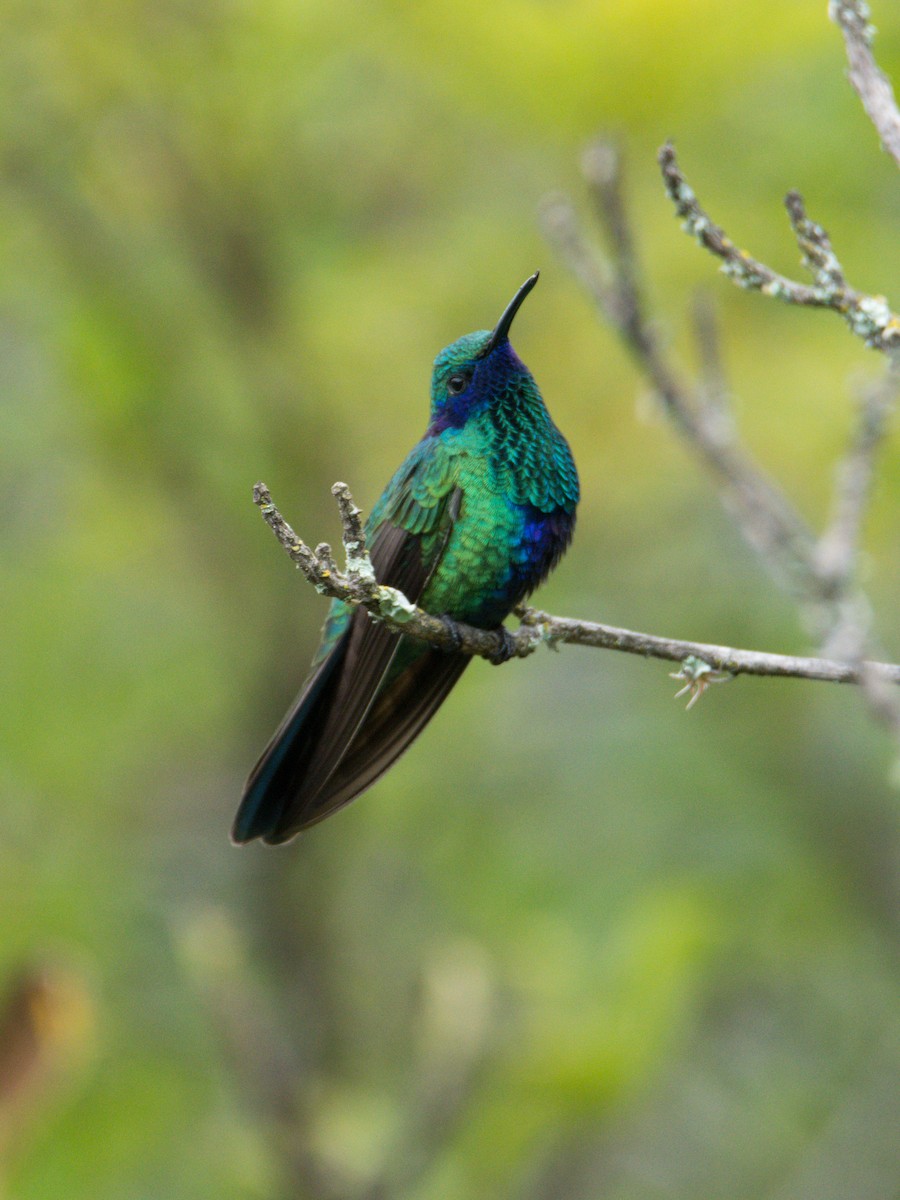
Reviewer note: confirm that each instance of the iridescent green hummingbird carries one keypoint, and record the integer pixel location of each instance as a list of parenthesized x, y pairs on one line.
[(475, 518)]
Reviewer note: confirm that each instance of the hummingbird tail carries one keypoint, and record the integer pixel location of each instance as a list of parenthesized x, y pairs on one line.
[(269, 786), (341, 735)]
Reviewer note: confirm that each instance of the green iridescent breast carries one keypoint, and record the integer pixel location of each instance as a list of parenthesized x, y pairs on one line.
[(530, 460)]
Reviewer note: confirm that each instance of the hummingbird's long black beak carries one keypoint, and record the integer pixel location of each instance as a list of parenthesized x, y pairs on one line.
[(501, 329)]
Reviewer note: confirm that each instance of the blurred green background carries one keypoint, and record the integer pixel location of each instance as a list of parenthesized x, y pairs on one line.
[(578, 943)]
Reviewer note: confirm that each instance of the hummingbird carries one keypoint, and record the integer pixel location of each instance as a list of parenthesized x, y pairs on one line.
[(476, 516)]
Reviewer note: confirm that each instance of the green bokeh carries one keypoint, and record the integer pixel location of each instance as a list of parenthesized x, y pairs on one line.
[(577, 943)]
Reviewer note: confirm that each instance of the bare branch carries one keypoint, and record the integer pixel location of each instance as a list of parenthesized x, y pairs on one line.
[(601, 166), (849, 624), (872, 86), (869, 317), (712, 384), (838, 547), (720, 658), (391, 606)]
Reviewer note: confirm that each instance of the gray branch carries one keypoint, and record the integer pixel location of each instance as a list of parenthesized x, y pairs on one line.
[(838, 547), (357, 585), (872, 86), (869, 317)]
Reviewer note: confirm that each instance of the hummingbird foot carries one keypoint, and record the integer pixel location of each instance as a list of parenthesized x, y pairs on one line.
[(453, 633), (505, 650)]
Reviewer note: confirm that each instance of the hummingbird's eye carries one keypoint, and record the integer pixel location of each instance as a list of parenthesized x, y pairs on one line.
[(457, 384)]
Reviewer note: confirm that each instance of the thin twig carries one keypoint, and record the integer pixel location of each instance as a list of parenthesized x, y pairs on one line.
[(354, 534), (815, 248), (720, 658), (601, 166), (838, 547), (869, 317), (848, 613), (391, 606), (872, 86), (712, 385)]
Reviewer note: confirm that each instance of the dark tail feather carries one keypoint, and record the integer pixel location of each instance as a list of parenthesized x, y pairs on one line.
[(288, 790), (392, 725), (269, 787), (284, 788)]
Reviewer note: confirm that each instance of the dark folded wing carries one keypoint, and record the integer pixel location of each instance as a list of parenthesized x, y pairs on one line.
[(392, 725), (369, 650)]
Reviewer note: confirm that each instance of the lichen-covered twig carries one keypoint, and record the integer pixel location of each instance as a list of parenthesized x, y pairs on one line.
[(557, 630), (869, 317), (359, 586), (872, 86)]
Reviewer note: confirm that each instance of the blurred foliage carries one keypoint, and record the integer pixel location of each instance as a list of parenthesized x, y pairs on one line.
[(614, 950)]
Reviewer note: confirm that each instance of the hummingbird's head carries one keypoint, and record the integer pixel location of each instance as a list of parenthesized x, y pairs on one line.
[(471, 372)]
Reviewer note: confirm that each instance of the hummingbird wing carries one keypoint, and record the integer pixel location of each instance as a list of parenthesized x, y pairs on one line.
[(345, 729), (395, 720)]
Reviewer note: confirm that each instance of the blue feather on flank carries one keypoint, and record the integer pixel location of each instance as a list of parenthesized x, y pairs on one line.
[(474, 519)]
